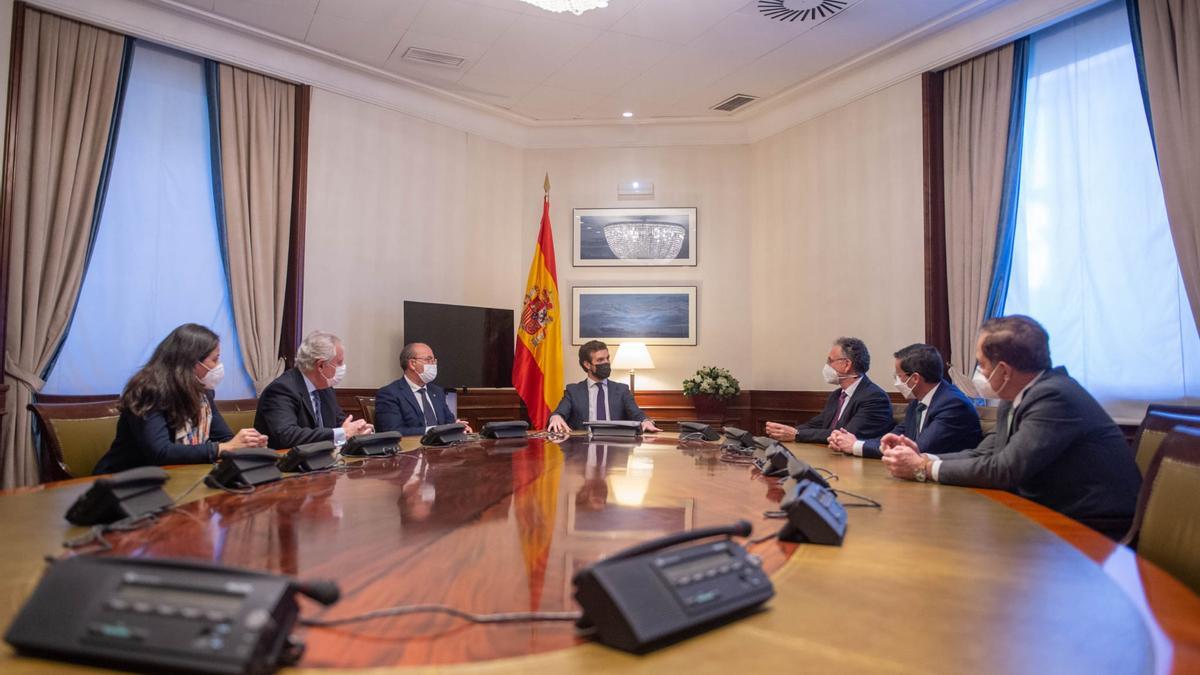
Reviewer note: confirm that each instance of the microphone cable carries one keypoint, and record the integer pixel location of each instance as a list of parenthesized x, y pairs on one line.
[(404, 610)]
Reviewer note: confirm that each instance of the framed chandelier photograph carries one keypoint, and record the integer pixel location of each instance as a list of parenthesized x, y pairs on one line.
[(637, 237)]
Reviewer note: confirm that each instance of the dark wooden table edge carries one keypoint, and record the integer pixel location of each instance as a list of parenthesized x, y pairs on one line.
[(1163, 600)]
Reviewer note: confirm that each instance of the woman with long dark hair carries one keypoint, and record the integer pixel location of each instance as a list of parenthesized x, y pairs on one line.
[(167, 410)]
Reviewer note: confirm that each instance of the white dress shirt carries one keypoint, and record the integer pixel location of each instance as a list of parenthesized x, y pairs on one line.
[(416, 390), (593, 388), (926, 399), (339, 434)]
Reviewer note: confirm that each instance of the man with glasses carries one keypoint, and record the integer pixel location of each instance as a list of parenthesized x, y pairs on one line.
[(412, 403), (1053, 442), (858, 406), (940, 418), (300, 406)]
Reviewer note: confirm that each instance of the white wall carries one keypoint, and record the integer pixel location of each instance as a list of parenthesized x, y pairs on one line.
[(838, 241), (403, 209), (809, 234), (715, 179)]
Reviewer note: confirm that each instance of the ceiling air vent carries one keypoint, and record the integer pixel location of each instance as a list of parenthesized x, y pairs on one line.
[(734, 102), (800, 10), (430, 57)]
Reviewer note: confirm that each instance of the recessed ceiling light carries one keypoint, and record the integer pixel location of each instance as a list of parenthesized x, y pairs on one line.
[(626, 114)]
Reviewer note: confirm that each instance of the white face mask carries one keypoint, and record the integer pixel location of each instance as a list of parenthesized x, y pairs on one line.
[(339, 374), (212, 379), (983, 385), (905, 390), (428, 373), (831, 376)]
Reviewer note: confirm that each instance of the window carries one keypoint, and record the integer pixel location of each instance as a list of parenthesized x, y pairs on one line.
[(156, 259), (1093, 258)]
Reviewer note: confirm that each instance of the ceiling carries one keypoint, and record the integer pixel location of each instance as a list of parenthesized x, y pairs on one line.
[(654, 58)]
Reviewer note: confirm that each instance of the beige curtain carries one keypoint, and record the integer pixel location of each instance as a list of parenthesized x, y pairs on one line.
[(67, 87), (1171, 46), (257, 125), (977, 100)]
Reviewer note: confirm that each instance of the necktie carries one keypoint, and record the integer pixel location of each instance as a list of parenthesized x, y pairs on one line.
[(427, 407), (921, 407), (316, 399), (837, 414), (601, 402)]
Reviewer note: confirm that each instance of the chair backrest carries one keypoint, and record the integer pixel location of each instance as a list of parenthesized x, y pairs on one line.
[(1166, 526), (74, 436), (238, 413), (367, 405), (898, 411), (1159, 420)]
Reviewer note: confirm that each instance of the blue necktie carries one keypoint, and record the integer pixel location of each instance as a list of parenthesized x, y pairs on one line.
[(316, 399), (601, 402), (427, 408)]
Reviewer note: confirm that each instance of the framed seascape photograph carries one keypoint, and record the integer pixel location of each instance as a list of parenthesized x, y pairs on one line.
[(655, 315), (652, 237)]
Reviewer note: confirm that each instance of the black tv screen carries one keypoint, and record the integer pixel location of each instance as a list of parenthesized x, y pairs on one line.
[(473, 345)]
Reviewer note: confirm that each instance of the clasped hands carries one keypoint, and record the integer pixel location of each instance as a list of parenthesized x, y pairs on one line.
[(902, 456)]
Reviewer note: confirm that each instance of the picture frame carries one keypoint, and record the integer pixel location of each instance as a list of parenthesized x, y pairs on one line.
[(634, 237), (654, 315)]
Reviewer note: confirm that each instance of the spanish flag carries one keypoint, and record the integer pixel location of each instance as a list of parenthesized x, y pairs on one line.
[(538, 364)]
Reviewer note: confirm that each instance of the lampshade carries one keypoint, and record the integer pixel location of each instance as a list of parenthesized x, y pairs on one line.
[(576, 7), (632, 356)]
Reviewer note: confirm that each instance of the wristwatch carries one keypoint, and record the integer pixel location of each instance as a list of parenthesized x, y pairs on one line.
[(919, 475)]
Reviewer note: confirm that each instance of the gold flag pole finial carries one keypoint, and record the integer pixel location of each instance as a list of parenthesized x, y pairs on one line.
[(546, 185)]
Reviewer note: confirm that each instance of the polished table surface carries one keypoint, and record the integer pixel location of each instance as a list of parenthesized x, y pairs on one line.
[(940, 579)]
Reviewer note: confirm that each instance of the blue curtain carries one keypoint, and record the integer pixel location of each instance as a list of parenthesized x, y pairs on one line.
[(1007, 224), (1093, 258), (1139, 59), (157, 259)]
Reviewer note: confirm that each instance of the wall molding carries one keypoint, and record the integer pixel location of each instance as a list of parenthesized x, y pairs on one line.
[(975, 28)]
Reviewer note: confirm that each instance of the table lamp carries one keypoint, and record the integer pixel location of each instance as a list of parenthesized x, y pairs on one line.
[(632, 356)]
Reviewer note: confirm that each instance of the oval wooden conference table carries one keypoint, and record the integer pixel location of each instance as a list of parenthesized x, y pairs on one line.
[(941, 579)]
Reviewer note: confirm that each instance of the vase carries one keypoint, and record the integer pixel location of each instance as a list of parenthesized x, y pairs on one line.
[(707, 405)]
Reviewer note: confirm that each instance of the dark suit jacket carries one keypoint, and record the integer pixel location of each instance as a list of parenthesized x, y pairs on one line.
[(147, 440), (397, 409), (1063, 452), (285, 413), (951, 424), (868, 414), (573, 407)]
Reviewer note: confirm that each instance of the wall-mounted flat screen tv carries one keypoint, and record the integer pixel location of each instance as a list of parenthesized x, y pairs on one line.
[(473, 345)]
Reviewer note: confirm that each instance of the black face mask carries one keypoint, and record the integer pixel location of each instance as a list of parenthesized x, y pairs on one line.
[(602, 370)]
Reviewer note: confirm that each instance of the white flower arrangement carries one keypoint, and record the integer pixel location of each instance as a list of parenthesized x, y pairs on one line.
[(712, 381)]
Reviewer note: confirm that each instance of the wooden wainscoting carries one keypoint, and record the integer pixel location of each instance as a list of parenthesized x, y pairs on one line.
[(668, 408)]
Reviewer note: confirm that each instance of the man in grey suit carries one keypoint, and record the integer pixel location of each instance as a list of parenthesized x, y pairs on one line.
[(1053, 442), (596, 398)]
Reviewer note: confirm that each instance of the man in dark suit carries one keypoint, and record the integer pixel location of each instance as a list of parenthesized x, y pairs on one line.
[(1053, 442), (858, 405), (940, 418), (596, 398), (300, 406), (412, 403)]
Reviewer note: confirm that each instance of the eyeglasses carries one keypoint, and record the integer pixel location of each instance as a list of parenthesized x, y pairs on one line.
[(840, 358), (425, 359)]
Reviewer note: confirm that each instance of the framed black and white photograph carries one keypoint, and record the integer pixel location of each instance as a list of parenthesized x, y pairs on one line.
[(655, 315), (649, 237)]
